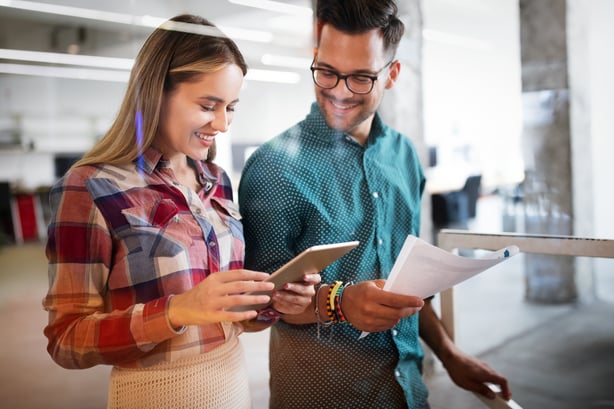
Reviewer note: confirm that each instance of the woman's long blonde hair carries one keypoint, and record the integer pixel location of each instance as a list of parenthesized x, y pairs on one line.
[(180, 50)]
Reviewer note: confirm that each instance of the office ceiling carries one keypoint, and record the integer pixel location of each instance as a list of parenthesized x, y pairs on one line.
[(285, 31), (117, 28)]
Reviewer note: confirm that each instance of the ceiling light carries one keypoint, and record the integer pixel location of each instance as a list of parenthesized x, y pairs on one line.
[(286, 61), (232, 32), (275, 6), (68, 59), (65, 72), (69, 11), (245, 34), (121, 18), (282, 77)]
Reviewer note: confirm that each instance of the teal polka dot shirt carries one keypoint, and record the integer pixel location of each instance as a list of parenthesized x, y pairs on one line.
[(314, 185)]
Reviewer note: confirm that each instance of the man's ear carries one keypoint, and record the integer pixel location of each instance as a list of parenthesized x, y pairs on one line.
[(393, 73)]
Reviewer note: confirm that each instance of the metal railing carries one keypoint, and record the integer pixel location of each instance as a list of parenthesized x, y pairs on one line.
[(452, 240)]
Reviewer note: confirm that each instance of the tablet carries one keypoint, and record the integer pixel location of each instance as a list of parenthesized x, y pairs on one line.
[(311, 261)]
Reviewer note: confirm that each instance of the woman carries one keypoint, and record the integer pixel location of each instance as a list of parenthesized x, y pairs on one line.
[(146, 246)]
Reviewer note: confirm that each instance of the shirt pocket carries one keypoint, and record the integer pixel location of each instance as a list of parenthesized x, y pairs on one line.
[(145, 231), (229, 212), (149, 252)]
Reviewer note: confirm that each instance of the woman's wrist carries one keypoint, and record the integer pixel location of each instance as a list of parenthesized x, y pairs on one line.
[(171, 315)]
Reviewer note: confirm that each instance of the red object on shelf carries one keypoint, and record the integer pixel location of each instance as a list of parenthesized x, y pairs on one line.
[(26, 209)]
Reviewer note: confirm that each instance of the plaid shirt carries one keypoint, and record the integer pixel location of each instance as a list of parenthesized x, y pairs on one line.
[(122, 241)]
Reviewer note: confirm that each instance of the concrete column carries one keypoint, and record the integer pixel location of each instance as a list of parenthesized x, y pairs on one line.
[(402, 107), (547, 146)]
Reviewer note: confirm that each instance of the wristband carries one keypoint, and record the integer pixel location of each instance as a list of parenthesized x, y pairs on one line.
[(332, 296), (338, 310), (316, 310)]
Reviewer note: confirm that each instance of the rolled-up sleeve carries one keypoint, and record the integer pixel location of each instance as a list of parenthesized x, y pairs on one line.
[(81, 331)]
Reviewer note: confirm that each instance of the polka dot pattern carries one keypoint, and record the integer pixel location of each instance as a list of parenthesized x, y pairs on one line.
[(313, 185)]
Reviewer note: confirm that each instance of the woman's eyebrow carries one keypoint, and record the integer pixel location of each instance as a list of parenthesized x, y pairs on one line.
[(215, 99)]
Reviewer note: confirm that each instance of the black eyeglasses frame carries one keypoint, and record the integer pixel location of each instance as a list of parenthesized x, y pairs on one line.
[(345, 77)]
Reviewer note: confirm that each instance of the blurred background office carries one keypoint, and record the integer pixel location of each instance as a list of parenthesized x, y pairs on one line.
[(508, 102)]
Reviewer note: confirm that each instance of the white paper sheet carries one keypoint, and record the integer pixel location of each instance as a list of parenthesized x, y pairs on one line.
[(423, 270)]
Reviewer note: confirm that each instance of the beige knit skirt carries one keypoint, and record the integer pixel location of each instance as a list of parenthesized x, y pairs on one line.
[(216, 379)]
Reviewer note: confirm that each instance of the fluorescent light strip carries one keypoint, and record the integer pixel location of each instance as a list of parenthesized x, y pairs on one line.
[(275, 6), (285, 61), (70, 11), (248, 35), (65, 72), (144, 21), (282, 77), (68, 59)]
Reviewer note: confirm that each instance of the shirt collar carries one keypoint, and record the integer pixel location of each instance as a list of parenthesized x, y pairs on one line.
[(152, 158), (315, 121), (207, 173), (149, 160)]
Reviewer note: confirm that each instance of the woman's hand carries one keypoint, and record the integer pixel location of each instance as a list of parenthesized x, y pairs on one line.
[(295, 297), (210, 299)]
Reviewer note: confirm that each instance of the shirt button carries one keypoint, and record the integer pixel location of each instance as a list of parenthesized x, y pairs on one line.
[(197, 210), (211, 244), (397, 373), (395, 332), (380, 242), (375, 195)]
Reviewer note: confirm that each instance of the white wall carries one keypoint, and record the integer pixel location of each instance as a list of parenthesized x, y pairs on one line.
[(472, 87), (67, 115), (601, 60), (601, 66), (63, 116), (57, 116)]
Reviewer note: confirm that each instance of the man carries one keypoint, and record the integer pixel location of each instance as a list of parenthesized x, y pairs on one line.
[(341, 175)]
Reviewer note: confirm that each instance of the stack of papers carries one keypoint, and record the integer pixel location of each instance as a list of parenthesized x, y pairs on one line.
[(423, 270)]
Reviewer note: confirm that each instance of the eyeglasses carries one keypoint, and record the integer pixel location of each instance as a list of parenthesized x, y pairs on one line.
[(357, 83)]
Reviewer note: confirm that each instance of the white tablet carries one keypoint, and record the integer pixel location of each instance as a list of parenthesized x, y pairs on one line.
[(311, 261)]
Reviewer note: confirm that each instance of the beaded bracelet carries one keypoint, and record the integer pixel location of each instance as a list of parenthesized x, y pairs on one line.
[(316, 310), (338, 311), (332, 297)]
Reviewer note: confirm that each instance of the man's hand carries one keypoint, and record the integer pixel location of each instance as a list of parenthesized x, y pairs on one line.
[(369, 308), (470, 373), (294, 298)]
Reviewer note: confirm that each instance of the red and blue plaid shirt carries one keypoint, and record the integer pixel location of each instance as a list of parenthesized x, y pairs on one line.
[(121, 242)]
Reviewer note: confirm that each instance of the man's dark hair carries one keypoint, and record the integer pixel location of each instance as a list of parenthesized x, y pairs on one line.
[(359, 16)]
